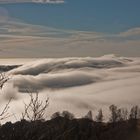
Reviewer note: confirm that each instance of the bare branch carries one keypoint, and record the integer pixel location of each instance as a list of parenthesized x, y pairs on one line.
[(35, 109), (3, 79), (4, 114)]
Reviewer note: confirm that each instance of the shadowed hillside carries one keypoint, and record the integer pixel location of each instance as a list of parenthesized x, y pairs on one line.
[(62, 128)]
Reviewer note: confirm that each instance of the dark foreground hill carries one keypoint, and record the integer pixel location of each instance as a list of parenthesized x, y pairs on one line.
[(61, 128)]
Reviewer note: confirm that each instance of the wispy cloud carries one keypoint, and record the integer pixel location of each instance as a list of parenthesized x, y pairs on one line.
[(49, 42), (32, 1), (131, 32), (4, 15)]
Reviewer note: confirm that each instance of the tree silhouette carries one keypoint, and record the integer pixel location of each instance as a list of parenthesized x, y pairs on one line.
[(114, 113), (122, 114), (55, 115), (134, 113), (89, 115), (99, 117), (67, 115)]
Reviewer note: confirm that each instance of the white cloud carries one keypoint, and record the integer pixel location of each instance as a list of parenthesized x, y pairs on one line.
[(55, 65), (34, 1), (83, 86), (62, 73)]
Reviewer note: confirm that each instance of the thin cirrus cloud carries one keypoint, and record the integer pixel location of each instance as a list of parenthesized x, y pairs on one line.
[(31, 1), (131, 32), (44, 42)]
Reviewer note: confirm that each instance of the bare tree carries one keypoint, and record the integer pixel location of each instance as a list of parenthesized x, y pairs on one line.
[(3, 79), (36, 108), (4, 114)]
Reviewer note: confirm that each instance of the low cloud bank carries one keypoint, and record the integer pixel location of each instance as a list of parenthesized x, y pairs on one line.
[(76, 84)]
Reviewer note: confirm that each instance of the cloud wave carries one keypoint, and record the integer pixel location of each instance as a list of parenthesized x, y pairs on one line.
[(60, 64), (75, 84), (63, 72)]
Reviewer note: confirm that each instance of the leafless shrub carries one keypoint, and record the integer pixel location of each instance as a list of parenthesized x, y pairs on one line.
[(36, 108)]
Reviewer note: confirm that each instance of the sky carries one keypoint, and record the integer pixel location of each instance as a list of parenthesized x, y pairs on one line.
[(112, 23), (95, 15)]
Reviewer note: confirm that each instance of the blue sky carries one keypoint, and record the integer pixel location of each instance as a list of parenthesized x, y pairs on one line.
[(69, 28), (93, 15)]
